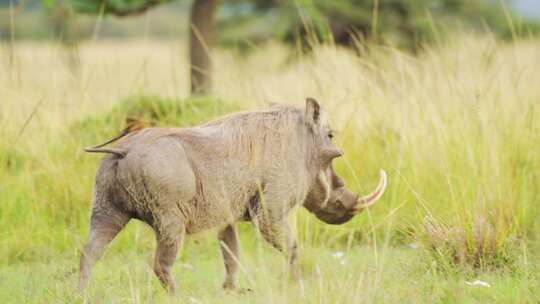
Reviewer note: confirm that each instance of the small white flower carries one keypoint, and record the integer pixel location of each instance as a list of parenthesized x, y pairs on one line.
[(414, 245), (338, 254), (187, 266), (478, 283)]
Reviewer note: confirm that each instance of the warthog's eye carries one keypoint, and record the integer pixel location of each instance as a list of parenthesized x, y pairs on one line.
[(330, 134)]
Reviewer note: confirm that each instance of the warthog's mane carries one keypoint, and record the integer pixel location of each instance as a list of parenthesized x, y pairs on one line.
[(276, 120), (272, 117), (272, 130)]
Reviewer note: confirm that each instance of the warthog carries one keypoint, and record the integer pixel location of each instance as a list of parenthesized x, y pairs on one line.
[(253, 166)]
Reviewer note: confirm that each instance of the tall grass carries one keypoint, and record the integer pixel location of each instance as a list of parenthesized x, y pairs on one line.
[(457, 128)]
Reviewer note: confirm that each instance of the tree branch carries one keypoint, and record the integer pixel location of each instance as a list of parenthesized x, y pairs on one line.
[(131, 11)]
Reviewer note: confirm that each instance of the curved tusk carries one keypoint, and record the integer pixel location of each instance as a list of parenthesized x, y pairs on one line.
[(373, 197)]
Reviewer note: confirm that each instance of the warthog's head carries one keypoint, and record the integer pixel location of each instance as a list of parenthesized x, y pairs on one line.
[(328, 198)]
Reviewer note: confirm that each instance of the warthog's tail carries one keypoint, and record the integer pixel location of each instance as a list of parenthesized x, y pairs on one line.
[(118, 152), (132, 126)]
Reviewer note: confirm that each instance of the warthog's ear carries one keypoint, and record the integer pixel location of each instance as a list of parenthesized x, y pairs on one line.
[(313, 113)]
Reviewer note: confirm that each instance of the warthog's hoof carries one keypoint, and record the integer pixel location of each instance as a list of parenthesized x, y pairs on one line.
[(234, 289), (243, 290)]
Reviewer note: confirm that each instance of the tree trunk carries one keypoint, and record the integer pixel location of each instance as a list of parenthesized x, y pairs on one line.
[(202, 15)]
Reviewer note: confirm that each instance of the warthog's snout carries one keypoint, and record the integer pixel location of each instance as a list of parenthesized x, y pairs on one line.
[(343, 204)]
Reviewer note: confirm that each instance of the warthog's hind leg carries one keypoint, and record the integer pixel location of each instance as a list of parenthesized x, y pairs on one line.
[(105, 224), (168, 243), (228, 243)]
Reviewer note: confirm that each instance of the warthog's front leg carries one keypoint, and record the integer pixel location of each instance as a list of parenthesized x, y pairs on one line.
[(278, 233), (228, 243), (292, 253)]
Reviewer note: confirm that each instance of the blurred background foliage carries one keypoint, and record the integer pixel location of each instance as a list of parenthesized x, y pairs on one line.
[(401, 23)]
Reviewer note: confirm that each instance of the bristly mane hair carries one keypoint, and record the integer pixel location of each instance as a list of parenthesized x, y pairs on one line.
[(261, 135), (277, 123)]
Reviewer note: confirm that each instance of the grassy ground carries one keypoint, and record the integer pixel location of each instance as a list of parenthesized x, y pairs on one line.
[(457, 129), (399, 275)]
